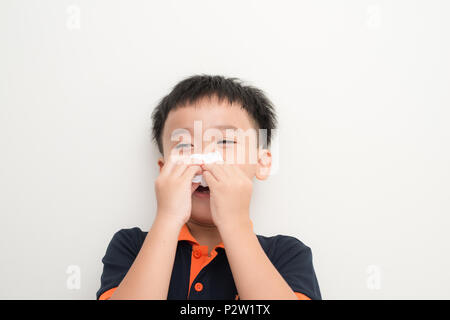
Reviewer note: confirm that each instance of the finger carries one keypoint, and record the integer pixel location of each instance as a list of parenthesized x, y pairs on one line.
[(194, 187), (216, 169), (190, 172), (210, 179), (182, 164), (189, 175), (169, 164)]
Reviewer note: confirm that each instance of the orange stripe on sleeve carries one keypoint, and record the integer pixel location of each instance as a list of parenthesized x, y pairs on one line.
[(107, 294), (301, 296)]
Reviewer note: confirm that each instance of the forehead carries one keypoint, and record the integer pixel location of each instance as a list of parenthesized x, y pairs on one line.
[(211, 113)]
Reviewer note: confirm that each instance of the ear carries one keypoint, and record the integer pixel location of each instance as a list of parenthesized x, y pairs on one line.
[(160, 163), (264, 164)]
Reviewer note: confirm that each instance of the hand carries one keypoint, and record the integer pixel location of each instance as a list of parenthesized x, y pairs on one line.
[(230, 193), (174, 188)]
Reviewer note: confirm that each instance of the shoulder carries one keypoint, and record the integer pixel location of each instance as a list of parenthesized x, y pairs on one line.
[(282, 250), (294, 261), (120, 254), (127, 239), (282, 244)]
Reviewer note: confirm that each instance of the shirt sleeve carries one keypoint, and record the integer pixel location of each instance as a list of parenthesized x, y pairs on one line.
[(294, 262), (120, 254)]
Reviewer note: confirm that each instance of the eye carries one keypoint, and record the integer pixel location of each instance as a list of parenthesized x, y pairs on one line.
[(227, 141), (182, 145)]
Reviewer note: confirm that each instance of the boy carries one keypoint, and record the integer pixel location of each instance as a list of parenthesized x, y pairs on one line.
[(201, 244)]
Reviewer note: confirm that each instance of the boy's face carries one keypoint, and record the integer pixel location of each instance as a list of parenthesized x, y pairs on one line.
[(209, 126)]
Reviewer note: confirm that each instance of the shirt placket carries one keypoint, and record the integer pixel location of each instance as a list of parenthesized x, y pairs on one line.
[(199, 260)]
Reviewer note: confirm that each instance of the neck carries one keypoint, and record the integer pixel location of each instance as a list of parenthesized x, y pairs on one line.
[(205, 234)]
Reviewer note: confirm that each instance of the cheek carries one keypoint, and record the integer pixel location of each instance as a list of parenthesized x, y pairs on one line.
[(229, 154), (240, 155)]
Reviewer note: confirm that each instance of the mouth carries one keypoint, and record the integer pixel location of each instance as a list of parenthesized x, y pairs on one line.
[(201, 192)]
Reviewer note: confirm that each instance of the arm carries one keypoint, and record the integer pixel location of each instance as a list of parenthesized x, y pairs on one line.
[(153, 265), (255, 276), (149, 275)]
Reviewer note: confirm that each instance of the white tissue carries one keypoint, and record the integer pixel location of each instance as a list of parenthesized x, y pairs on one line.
[(207, 158)]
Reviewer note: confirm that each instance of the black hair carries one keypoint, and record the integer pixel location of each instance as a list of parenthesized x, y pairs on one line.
[(194, 88)]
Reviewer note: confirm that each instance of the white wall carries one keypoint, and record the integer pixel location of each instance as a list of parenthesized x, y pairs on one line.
[(362, 91)]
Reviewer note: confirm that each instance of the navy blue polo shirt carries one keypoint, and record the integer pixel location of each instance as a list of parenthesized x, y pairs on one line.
[(197, 276)]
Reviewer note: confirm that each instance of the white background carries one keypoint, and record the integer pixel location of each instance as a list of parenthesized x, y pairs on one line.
[(362, 93)]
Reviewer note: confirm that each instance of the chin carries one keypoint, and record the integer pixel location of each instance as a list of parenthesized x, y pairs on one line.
[(202, 217)]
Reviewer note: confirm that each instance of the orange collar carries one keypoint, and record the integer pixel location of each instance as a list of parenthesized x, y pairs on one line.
[(185, 234)]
